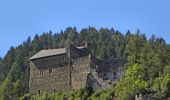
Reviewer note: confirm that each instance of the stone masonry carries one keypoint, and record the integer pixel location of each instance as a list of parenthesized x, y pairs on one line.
[(66, 69)]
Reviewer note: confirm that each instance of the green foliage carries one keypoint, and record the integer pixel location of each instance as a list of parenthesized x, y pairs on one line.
[(5, 89), (132, 83), (26, 97), (162, 85), (16, 87), (152, 55), (80, 94)]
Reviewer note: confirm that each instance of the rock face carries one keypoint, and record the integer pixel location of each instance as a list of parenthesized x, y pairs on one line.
[(70, 68)]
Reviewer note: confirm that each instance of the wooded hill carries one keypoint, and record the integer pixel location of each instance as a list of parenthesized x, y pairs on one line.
[(148, 61)]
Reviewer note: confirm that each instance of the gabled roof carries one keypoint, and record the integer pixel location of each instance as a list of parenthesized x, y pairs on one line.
[(48, 52)]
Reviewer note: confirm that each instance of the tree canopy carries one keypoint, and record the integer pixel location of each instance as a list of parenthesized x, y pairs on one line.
[(147, 59)]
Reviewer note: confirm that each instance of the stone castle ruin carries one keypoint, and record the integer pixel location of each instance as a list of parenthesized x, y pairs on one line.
[(66, 69)]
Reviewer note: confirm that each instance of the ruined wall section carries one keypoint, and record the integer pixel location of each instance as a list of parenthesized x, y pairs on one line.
[(70, 70), (79, 71), (76, 52), (49, 75), (111, 69)]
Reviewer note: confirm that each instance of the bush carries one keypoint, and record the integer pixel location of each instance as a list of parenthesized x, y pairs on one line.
[(26, 97)]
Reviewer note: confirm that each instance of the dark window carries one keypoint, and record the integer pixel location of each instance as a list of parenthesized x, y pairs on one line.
[(114, 73), (41, 72), (50, 70), (110, 82), (72, 67), (39, 92), (54, 90)]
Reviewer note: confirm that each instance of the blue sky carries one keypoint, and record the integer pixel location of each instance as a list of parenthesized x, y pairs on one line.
[(22, 18)]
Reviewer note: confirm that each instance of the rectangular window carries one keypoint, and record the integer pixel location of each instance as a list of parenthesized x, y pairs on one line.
[(41, 72), (54, 90), (72, 67), (39, 92), (50, 70)]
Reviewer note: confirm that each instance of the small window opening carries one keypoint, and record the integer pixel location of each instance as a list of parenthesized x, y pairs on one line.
[(50, 70), (114, 73), (72, 67), (41, 72), (39, 92), (54, 90)]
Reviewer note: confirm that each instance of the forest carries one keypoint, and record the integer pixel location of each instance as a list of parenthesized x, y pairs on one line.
[(147, 67)]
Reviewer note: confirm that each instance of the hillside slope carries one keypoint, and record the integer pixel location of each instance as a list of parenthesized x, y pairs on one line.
[(152, 54)]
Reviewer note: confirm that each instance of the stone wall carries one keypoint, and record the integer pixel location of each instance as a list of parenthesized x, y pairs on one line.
[(97, 82), (59, 73), (51, 62), (110, 69), (79, 71), (77, 52), (68, 71), (49, 75)]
